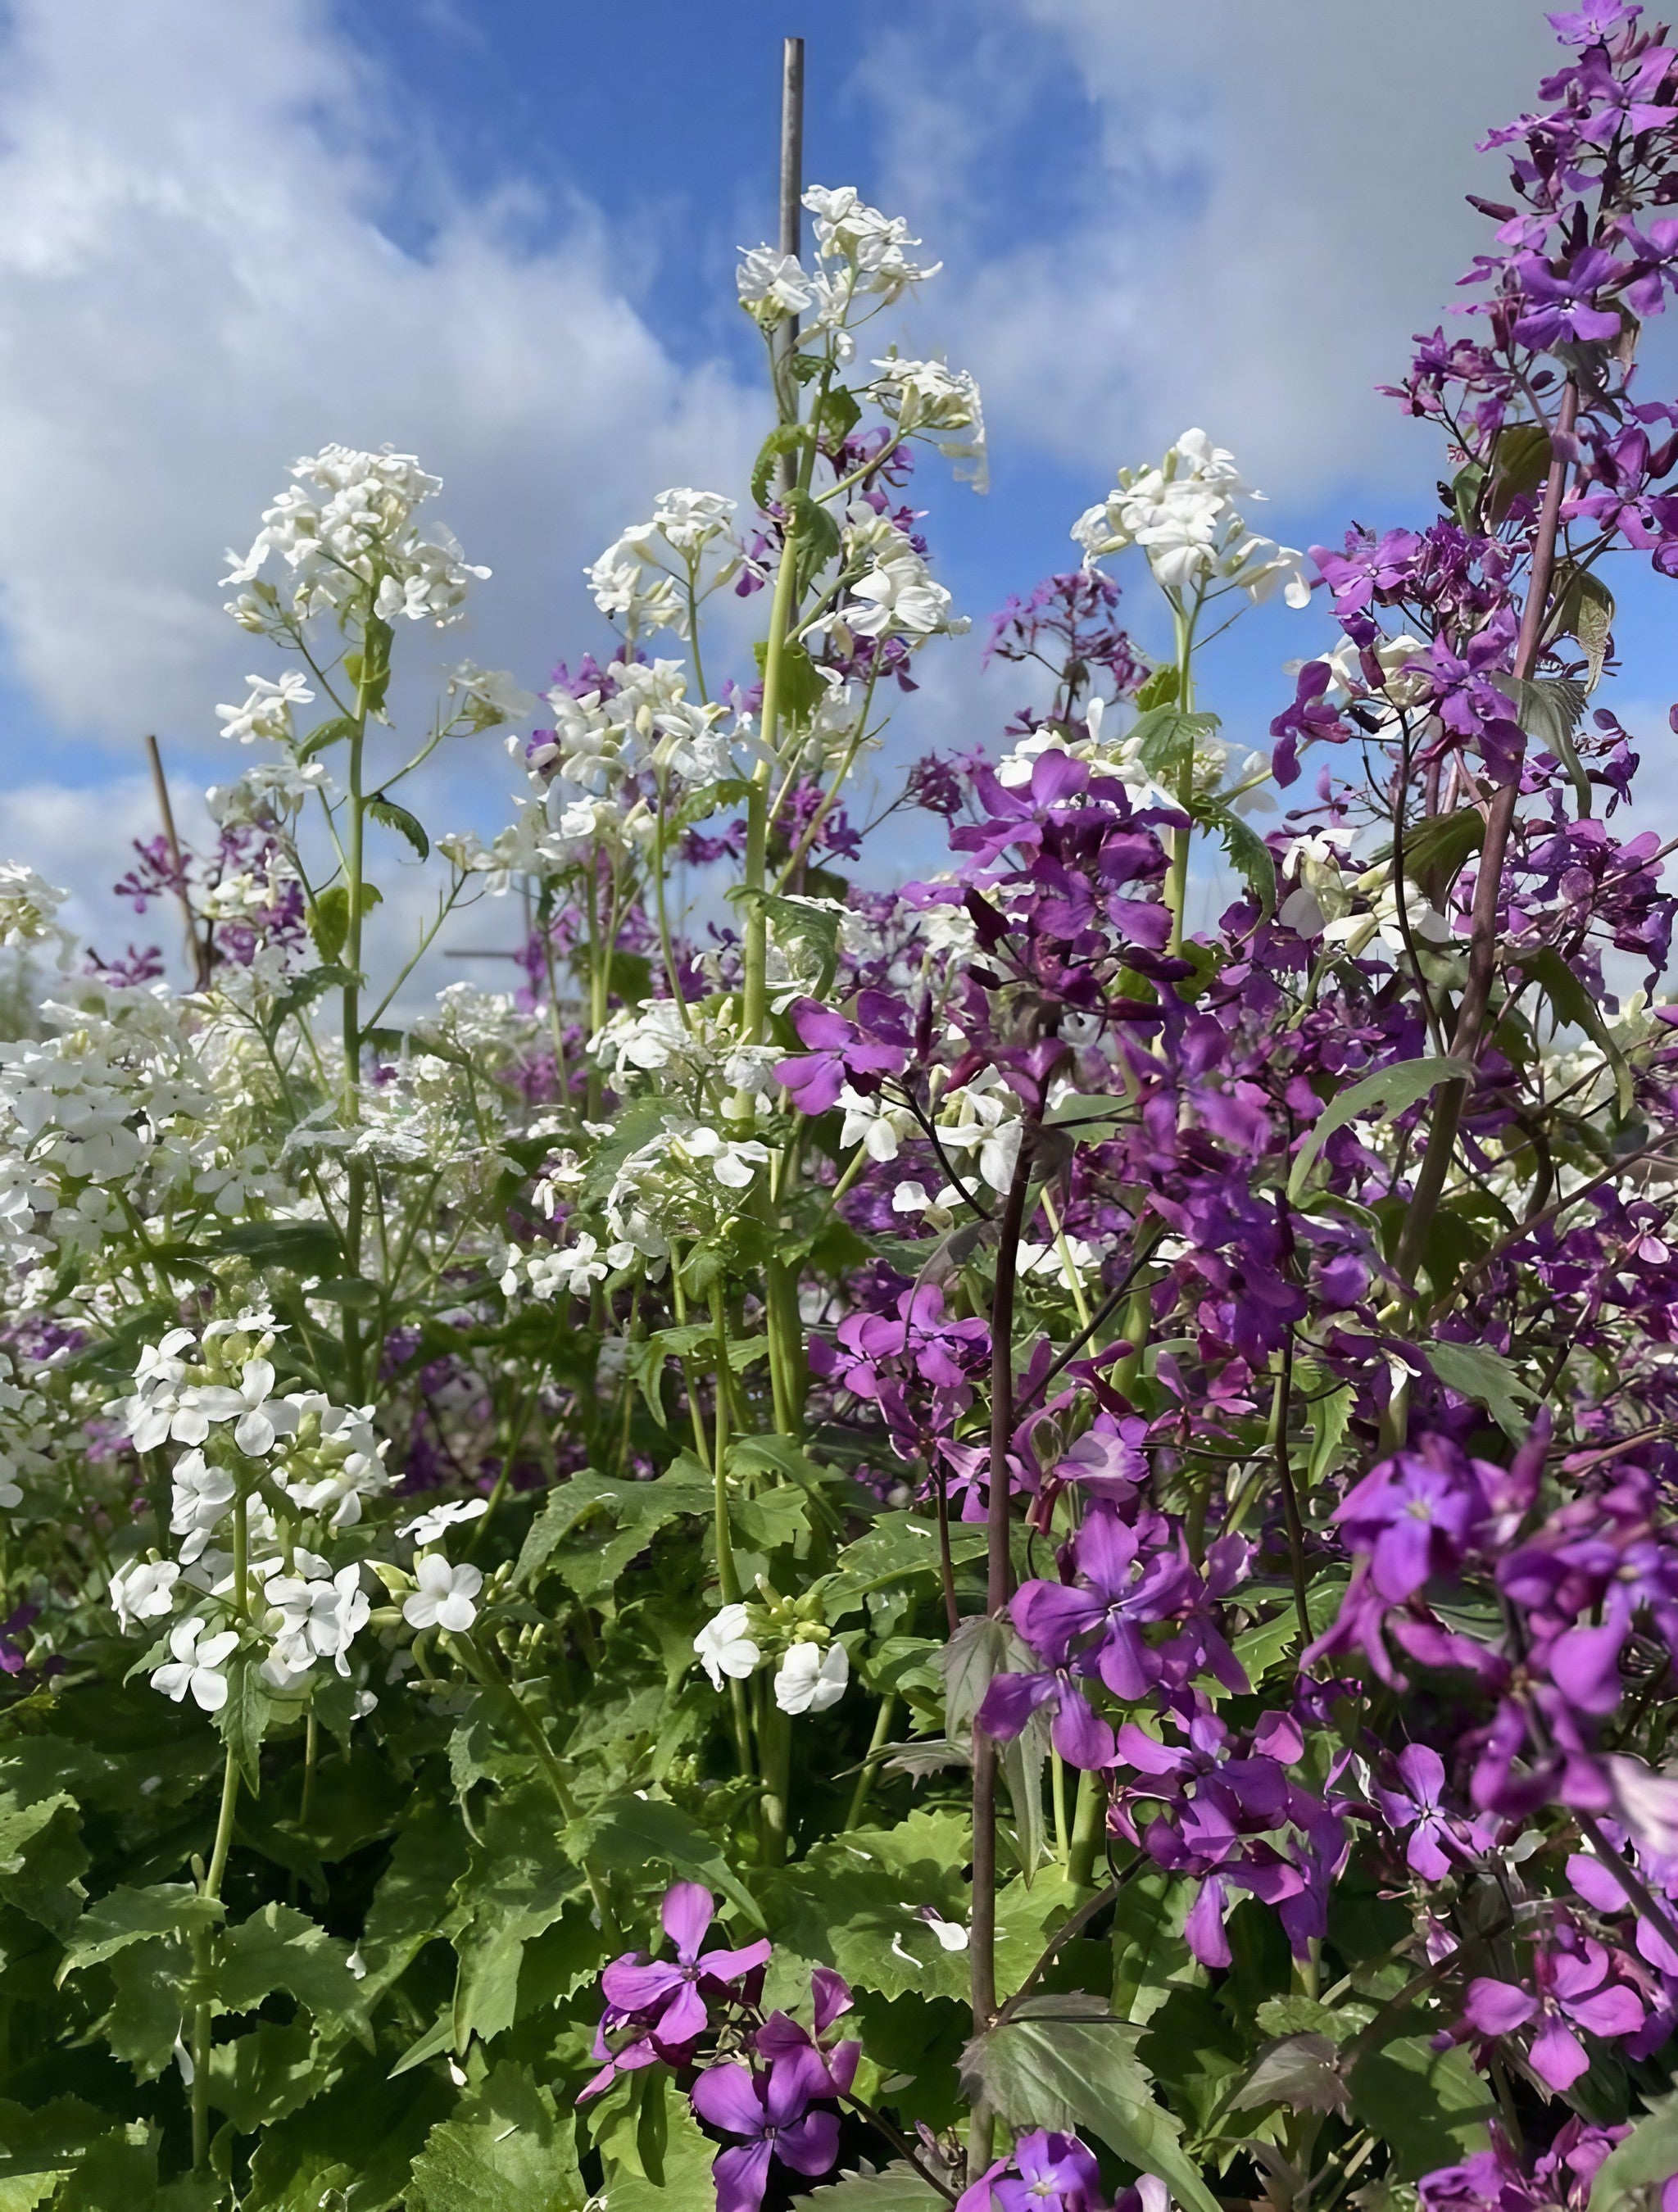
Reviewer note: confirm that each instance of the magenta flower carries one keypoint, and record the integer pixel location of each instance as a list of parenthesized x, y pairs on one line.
[(842, 1051), (771, 2112), (1438, 1840), (1571, 1990), (664, 1999), (1055, 2173)]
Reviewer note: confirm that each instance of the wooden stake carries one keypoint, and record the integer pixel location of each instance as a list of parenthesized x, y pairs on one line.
[(792, 216), (199, 951)]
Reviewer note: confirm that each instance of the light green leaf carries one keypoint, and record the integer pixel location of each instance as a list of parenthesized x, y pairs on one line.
[(1050, 2070), (633, 1511), (1431, 2105), (629, 1831), (1375, 1097), (896, 2188), (1648, 2156), (504, 2149), (42, 1858), (281, 1948), (124, 1916), (1474, 1371), (680, 2160), (243, 1721)]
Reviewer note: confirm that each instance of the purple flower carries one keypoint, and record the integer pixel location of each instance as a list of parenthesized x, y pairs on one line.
[(1054, 2173), (1438, 1840), (1572, 1989), (842, 1052), (662, 1999), (771, 2112), (1102, 1614)]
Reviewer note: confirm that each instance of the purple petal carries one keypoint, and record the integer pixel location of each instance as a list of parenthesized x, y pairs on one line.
[(1496, 2007), (687, 1910), (1612, 2011), (1424, 1772), (634, 1989), (810, 2145), (741, 2174), (795, 2076), (832, 1995), (1078, 1732), (731, 1966), (1558, 2056), (1584, 1665), (1010, 1702), (683, 2018), (727, 2097), (1203, 1931)]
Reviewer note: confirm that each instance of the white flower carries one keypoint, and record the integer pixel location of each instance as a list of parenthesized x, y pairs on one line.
[(910, 1198), (195, 1665), (251, 1405), (875, 1123), (490, 696), (144, 1590), (732, 1163), (847, 229), (810, 1679), (28, 904), (267, 711), (320, 1614), (772, 284), (924, 396), (897, 597), (199, 1501), (568, 1271), (444, 1598), (1183, 516), (430, 1524), (724, 1647)]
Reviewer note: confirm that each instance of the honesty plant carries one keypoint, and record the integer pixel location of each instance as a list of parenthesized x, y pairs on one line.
[(957, 1546)]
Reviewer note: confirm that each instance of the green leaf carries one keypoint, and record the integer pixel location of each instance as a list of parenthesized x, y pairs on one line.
[(785, 438), (1438, 848), (1250, 855), (1551, 708), (243, 1721), (1574, 1004), (1298, 2070), (634, 1510), (815, 536), (1166, 737), (273, 2071), (1161, 688), (1465, 488), (854, 1903), (304, 989), (1430, 2105), (504, 2149), (329, 922), (1376, 1098), (304, 1248), (1520, 463), (519, 1883), (791, 921), (1150, 1956), (682, 2161), (42, 1859), (281, 1948), (149, 2007), (896, 2188), (37, 2147), (839, 415), (405, 823), (1474, 1371), (363, 2132), (1648, 2154), (1051, 2070), (135, 1915), (1582, 608), (327, 733), (629, 1831)]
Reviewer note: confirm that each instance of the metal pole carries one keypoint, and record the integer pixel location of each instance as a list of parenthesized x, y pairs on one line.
[(792, 220)]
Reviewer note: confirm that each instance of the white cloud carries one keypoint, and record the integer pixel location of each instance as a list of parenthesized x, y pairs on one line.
[(1272, 203), (196, 285)]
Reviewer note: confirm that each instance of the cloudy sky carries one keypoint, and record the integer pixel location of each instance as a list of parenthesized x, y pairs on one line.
[(501, 233)]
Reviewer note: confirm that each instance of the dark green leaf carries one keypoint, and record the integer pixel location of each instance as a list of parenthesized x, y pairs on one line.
[(405, 823), (328, 733), (1430, 2105), (1043, 2071), (281, 1948), (132, 1915), (243, 1721), (1474, 1371), (1376, 1098), (785, 438)]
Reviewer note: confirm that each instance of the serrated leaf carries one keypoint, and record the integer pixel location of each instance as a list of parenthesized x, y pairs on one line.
[(629, 1831), (1166, 740), (815, 536), (785, 438), (1298, 2070), (1550, 708), (683, 2160), (1436, 849), (1582, 607), (1250, 855), (126, 1915), (332, 732), (1520, 463), (1474, 1371), (1648, 2156), (1376, 1098), (1161, 688), (894, 2188), (405, 823), (1044, 2071), (42, 1858), (281, 1948), (1430, 2105), (1574, 1004), (243, 1721), (635, 1511)]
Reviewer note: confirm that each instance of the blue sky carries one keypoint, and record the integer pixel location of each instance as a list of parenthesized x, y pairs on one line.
[(503, 232)]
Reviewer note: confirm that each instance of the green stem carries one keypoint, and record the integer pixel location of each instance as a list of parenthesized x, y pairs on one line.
[(774, 1756), (205, 2012), (877, 1744), (728, 1579), (1089, 1827)]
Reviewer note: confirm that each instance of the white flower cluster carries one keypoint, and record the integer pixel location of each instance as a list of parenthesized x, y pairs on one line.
[(655, 1039), (895, 594), (26, 1431), (657, 572), (925, 398), (680, 1186), (27, 906), (1183, 515), (345, 527), (860, 257), (214, 1391), (814, 1671)]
